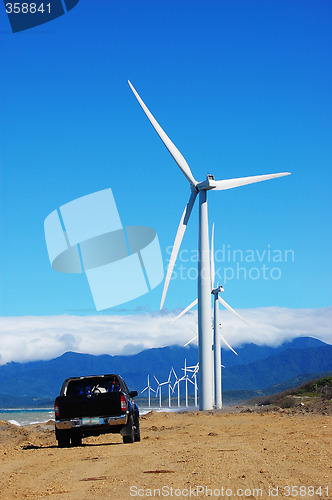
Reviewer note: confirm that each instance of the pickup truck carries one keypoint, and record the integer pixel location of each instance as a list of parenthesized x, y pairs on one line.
[(94, 405)]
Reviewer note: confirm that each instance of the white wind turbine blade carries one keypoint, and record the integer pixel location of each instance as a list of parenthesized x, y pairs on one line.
[(194, 338), (242, 181), (212, 259), (184, 311), (196, 368), (177, 243), (166, 140), (228, 345), (224, 303), (189, 341), (175, 375)]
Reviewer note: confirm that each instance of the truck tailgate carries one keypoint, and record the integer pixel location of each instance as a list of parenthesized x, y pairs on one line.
[(97, 405)]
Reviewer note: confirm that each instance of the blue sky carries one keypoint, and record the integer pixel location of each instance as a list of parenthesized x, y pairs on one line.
[(242, 88)]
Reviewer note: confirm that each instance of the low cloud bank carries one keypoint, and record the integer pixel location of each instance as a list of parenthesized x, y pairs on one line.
[(31, 338)]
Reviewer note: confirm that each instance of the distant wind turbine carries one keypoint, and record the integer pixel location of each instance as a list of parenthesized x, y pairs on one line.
[(194, 370), (204, 279), (159, 386), (149, 389), (186, 378), (170, 390), (216, 330), (178, 386)]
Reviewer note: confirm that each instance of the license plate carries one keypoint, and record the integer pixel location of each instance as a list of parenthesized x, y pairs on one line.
[(90, 421)]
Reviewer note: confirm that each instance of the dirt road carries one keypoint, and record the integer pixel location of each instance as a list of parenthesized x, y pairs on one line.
[(181, 455)]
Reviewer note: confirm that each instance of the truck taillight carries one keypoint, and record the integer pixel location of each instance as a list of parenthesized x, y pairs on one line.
[(123, 403), (56, 408)]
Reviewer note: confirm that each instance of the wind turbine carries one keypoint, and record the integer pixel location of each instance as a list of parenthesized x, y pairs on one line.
[(149, 389), (170, 390), (204, 280), (159, 389), (176, 383), (216, 333), (194, 370), (186, 379)]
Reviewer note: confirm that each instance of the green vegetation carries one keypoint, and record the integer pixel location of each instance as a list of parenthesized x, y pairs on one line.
[(315, 388), (320, 389)]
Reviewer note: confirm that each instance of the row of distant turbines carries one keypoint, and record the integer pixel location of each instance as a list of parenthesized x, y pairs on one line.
[(194, 370), (189, 377), (208, 347)]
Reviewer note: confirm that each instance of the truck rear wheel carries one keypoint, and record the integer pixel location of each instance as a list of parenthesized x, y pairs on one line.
[(63, 438), (76, 439), (137, 432), (128, 435)]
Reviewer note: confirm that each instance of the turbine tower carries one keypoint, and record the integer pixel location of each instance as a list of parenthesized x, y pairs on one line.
[(204, 277)]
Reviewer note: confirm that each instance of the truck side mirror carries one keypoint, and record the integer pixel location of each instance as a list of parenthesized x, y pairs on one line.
[(133, 394)]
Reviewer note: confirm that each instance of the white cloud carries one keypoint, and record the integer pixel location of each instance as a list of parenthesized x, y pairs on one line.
[(30, 338)]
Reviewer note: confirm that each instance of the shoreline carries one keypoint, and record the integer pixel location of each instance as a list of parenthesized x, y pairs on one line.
[(30, 416)]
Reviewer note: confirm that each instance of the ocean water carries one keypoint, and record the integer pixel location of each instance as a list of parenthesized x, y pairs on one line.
[(40, 415), (27, 416)]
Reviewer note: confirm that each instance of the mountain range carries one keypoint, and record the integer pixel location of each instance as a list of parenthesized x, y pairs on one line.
[(255, 370)]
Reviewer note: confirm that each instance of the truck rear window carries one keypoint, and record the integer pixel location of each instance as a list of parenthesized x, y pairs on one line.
[(89, 386)]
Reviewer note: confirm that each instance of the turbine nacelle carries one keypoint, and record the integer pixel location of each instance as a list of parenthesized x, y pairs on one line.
[(217, 290), (209, 183)]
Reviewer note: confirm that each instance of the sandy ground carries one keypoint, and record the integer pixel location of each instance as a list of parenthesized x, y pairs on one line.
[(242, 455)]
